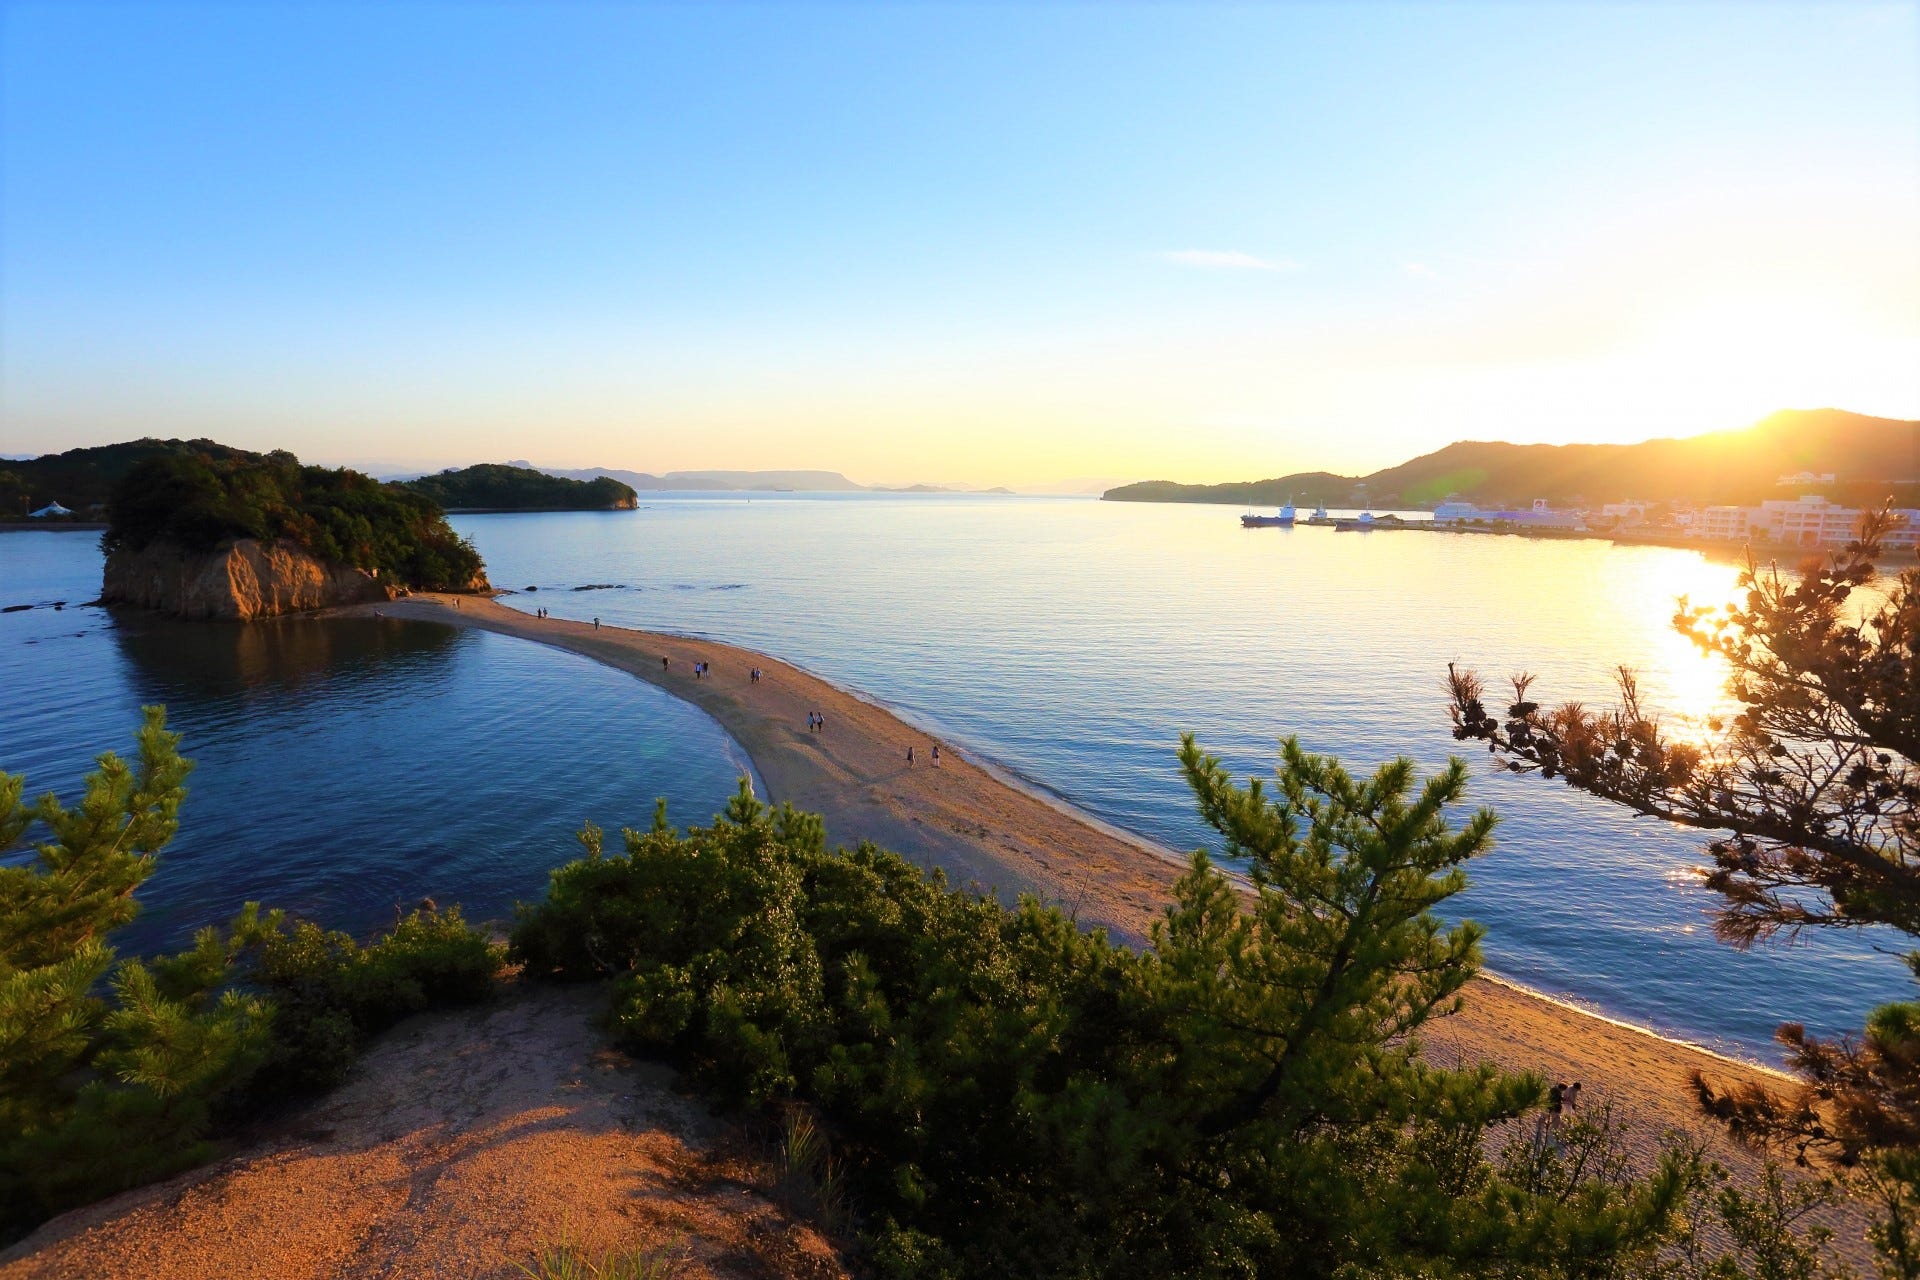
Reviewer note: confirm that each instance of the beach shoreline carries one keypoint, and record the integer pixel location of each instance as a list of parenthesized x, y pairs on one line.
[(987, 831)]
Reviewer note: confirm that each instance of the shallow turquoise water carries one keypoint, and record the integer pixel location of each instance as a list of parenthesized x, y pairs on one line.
[(1073, 641), (343, 769)]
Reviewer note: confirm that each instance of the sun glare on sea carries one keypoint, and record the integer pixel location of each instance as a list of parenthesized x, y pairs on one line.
[(1683, 686)]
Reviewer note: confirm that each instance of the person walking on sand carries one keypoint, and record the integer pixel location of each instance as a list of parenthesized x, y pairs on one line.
[(1561, 1100), (936, 755), (596, 624), (909, 755)]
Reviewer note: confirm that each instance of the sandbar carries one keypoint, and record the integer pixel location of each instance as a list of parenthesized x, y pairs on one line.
[(984, 833)]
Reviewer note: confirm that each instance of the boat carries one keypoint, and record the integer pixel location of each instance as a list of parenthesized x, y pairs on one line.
[(1366, 521), (1282, 519), (1320, 516)]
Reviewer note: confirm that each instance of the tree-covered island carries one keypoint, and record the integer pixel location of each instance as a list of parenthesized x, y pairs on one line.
[(232, 534), (493, 486)]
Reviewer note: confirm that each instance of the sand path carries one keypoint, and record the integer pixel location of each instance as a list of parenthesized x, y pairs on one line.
[(463, 1141), (462, 1144), (988, 834)]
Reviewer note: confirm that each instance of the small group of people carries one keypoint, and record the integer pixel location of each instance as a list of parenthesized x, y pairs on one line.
[(815, 722), (753, 676), (539, 613), (699, 671), (936, 755)]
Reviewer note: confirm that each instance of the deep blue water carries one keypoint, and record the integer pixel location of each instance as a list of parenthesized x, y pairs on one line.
[(1069, 641), (342, 769)]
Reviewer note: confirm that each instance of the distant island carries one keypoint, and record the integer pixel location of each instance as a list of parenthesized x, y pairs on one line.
[(222, 533), (707, 481), (493, 486), (747, 481), (1848, 457)]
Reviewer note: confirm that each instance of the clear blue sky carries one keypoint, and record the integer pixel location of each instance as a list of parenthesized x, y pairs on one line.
[(993, 243)]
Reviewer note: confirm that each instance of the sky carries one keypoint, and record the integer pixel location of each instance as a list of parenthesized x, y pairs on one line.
[(968, 243)]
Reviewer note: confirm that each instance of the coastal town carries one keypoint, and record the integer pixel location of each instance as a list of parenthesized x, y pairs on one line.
[(1808, 522)]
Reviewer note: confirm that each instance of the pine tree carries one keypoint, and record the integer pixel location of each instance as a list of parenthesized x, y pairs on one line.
[(112, 1072), (1813, 793), (107, 1071)]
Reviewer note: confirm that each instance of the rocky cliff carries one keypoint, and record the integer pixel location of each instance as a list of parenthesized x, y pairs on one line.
[(239, 580)]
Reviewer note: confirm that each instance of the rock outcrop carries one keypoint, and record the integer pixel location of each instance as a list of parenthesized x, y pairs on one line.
[(239, 580)]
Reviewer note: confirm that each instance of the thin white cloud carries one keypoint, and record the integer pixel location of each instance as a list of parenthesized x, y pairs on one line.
[(1225, 260), (1420, 270)]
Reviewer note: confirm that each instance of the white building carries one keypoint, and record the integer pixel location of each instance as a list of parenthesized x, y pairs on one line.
[(1538, 516), (1729, 524), (1809, 522), (1805, 478), (1629, 512)]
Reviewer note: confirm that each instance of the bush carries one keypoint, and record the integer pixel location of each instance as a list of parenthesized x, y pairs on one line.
[(329, 993), (1012, 1096), (116, 1072)]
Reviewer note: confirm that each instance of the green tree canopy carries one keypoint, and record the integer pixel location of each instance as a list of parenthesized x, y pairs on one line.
[(1812, 792), (200, 501), (498, 486)]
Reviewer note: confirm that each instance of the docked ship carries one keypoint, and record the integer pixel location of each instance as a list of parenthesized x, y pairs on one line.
[(1282, 519)]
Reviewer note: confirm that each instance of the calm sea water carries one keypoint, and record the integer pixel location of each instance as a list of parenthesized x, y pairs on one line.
[(342, 770), (1070, 641)]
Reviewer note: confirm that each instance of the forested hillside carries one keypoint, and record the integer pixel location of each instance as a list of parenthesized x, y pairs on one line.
[(1870, 458)]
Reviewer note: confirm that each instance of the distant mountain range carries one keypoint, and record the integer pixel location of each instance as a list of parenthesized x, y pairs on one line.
[(812, 481), (736, 481), (1869, 458)]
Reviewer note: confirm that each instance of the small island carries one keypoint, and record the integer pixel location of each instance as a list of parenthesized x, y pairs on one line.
[(493, 486), (240, 535)]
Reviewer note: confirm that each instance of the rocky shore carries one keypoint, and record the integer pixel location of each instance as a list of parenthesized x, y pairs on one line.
[(239, 581)]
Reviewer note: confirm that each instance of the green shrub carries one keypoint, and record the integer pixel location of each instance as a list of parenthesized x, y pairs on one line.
[(115, 1072), (1012, 1096), (566, 1259), (330, 993)]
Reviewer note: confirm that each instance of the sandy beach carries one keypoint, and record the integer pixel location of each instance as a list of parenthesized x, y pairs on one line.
[(465, 1140), (986, 833)]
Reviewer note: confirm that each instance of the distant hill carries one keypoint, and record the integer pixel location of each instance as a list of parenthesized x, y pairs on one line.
[(83, 479), (1870, 458), (711, 481), (496, 487)]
